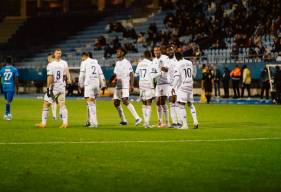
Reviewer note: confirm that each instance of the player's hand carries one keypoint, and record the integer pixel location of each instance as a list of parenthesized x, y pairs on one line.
[(103, 90), (173, 92), (164, 69), (113, 82), (49, 92), (131, 88)]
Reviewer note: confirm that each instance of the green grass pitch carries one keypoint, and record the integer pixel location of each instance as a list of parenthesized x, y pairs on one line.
[(236, 148)]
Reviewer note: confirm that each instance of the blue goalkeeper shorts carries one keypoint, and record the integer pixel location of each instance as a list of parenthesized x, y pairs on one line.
[(9, 95)]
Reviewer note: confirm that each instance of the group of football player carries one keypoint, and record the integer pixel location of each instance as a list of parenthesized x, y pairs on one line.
[(168, 77)]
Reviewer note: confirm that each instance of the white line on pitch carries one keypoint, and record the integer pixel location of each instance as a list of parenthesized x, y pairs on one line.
[(135, 141)]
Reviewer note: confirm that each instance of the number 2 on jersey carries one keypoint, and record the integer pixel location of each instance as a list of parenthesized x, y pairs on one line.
[(94, 70)]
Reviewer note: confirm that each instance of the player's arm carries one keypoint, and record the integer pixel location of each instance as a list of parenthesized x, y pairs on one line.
[(82, 75), (132, 80), (175, 81), (102, 79), (165, 67), (132, 76), (50, 83), (68, 77), (112, 79)]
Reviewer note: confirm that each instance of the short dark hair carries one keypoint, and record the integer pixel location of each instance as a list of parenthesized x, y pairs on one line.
[(57, 49), (147, 54), (178, 55), (90, 54), (8, 60), (123, 50), (85, 54)]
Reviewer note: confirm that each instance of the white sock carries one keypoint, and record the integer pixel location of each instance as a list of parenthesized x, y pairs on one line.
[(92, 113), (166, 114), (121, 114), (159, 113), (133, 111), (173, 113), (144, 113), (148, 113), (182, 114), (193, 114), (64, 114), (45, 115), (54, 109)]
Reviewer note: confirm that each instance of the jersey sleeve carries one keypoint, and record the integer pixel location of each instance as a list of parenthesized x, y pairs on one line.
[(49, 70), (82, 67), (82, 74), (101, 75), (130, 68)]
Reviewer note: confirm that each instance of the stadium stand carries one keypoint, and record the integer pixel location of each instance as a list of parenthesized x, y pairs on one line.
[(210, 32)]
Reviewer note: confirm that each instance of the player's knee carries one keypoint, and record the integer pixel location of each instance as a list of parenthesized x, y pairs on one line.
[(116, 103), (125, 101), (61, 104), (180, 103), (90, 100), (46, 104)]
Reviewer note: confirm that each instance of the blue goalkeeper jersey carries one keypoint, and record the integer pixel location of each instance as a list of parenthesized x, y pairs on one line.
[(8, 74)]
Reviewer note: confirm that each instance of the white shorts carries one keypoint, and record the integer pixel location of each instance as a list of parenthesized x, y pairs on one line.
[(146, 94), (120, 93), (91, 92), (59, 94), (163, 90), (185, 97)]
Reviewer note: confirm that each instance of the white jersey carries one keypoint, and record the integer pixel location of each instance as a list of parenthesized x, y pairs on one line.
[(146, 72), (173, 64), (183, 77), (162, 61), (58, 69), (122, 70), (91, 73)]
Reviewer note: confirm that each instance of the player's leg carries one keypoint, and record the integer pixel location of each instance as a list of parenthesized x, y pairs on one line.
[(165, 110), (193, 114), (146, 109), (132, 109), (182, 114), (91, 102), (116, 101), (9, 98), (45, 110), (159, 111), (63, 110), (120, 112), (173, 106), (54, 110)]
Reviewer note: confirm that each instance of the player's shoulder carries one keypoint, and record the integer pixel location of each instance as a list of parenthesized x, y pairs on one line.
[(95, 61), (125, 60), (186, 62), (64, 62), (164, 57)]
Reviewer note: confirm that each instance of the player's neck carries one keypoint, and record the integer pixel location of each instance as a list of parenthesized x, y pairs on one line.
[(121, 58)]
